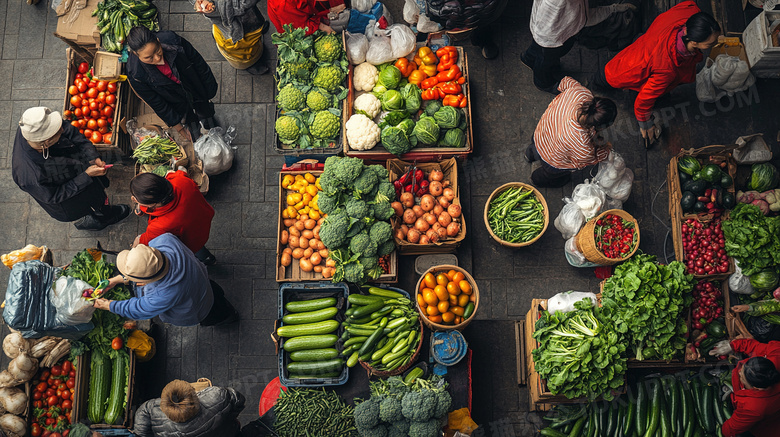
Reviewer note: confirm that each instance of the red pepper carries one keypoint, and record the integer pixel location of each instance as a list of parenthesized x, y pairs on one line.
[(450, 101), (430, 94), (461, 80), (429, 83), (451, 88), (463, 102), (453, 73)]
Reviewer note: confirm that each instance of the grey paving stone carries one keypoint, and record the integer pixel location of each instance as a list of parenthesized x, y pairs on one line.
[(181, 6), (16, 215), (197, 22), (227, 89), (203, 42), (176, 21), (254, 337), (9, 191), (216, 70), (31, 43), (265, 296), (31, 73), (13, 13), (226, 224), (244, 85), (220, 271), (258, 145), (53, 48), (205, 351), (9, 46), (263, 88), (6, 75), (189, 353), (44, 230), (259, 219)]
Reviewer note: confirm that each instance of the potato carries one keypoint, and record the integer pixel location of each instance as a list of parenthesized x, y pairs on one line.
[(294, 231), (289, 222), (308, 234), (308, 252), (315, 258), (324, 253), (299, 225), (330, 263), (318, 269), (306, 265), (310, 224), (294, 242), (285, 237), (297, 253), (287, 250), (286, 259)]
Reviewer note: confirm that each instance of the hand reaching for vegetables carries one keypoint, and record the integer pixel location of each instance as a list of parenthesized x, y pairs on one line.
[(740, 308), (722, 348), (95, 170), (652, 133), (102, 304)]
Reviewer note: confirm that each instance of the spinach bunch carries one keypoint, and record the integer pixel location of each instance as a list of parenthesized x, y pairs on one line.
[(753, 239), (647, 300), (580, 353)]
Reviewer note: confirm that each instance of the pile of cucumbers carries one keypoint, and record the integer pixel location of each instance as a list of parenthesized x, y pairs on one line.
[(117, 17), (382, 329), (309, 329), (654, 407)]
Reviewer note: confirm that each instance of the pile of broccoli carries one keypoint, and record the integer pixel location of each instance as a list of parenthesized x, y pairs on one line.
[(357, 230), (396, 409)]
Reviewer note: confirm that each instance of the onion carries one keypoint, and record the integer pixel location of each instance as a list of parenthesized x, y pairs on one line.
[(404, 229), (432, 235), (13, 400), (430, 218), (435, 175), (441, 230), (14, 343), (407, 199), (453, 229), (413, 236), (449, 193), (443, 202), (776, 293), (427, 202), (399, 235), (435, 188), (23, 367), (418, 211), (13, 425), (438, 209), (424, 239), (454, 210), (445, 219), (409, 217), (398, 208), (421, 225)]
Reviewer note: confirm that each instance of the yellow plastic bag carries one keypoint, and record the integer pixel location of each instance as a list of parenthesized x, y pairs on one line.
[(141, 344), (27, 253), (460, 420), (242, 54)]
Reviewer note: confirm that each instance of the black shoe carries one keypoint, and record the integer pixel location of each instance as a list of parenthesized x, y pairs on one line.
[(206, 257), (117, 214), (529, 156), (233, 318), (490, 51), (527, 61), (258, 68), (89, 223)]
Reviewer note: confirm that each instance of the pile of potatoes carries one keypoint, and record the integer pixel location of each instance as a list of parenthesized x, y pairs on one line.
[(302, 241), (435, 218)]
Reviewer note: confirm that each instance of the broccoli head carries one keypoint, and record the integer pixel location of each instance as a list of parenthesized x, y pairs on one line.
[(381, 172), (390, 409), (418, 405), (363, 185), (428, 428), (333, 231), (347, 170), (355, 227), (327, 203), (443, 404), (353, 272), (367, 415), (383, 210), (380, 232), (359, 243), (386, 192), (386, 248), (371, 266), (377, 431), (401, 426), (357, 208), (395, 432)]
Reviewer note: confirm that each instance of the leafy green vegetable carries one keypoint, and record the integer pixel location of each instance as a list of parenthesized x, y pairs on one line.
[(392, 100), (753, 239), (647, 300), (447, 117), (393, 118), (412, 95), (453, 138), (580, 353), (407, 125), (395, 140), (427, 131), (390, 77)]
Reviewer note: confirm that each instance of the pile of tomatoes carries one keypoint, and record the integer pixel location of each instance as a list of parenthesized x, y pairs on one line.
[(446, 297), (92, 105), (615, 237), (53, 400)]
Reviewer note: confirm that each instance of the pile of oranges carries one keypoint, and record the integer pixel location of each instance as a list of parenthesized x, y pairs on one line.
[(446, 297), (92, 105)]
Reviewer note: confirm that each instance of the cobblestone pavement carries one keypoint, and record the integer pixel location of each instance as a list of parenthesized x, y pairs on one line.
[(506, 109)]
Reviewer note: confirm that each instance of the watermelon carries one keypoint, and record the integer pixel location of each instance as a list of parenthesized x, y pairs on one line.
[(763, 177), (711, 173), (688, 165)]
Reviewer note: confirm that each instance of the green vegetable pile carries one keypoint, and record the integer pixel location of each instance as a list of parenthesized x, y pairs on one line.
[(516, 215), (580, 353), (646, 301), (313, 413), (117, 17), (753, 239), (310, 79), (155, 151), (357, 230), (398, 409)]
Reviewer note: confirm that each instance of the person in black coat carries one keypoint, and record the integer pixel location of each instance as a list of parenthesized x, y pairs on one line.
[(167, 72), (62, 171)]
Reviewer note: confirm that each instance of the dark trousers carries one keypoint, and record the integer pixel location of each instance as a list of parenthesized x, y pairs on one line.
[(599, 79), (221, 310), (546, 64), (546, 176)]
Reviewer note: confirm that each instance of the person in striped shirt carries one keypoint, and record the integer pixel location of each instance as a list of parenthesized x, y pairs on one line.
[(567, 136)]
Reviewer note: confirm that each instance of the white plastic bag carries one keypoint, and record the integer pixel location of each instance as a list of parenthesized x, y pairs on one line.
[(363, 5), (723, 69), (379, 50), (589, 197), (614, 177), (570, 220), (214, 150), (357, 46), (402, 40), (425, 25), (411, 12), (739, 283), (751, 150), (705, 90), (611, 203), (622, 189), (564, 302), (66, 296)]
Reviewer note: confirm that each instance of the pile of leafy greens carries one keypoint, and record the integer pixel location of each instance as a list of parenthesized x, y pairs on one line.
[(753, 239), (580, 353), (91, 267), (647, 300)]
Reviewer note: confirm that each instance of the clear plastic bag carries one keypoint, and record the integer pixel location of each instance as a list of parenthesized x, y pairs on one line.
[(402, 40), (363, 5), (139, 134), (570, 220), (705, 90), (589, 197), (426, 25), (214, 150), (411, 12), (622, 190), (739, 283), (574, 256), (66, 296), (611, 203), (564, 302), (357, 46), (751, 150), (379, 50)]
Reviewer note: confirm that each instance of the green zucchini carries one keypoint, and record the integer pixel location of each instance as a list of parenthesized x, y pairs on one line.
[(366, 310), (314, 354), (709, 413), (674, 407), (655, 407), (371, 342), (302, 306), (325, 327), (381, 292), (363, 300), (549, 432), (726, 406), (628, 423), (612, 419), (686, 405), (315, 368), (621, 416), (99, 386), (413, 374), (310, 316), (116, 400), (641, 410), (577, 430), (310, 342), (148, 14), (666, 425)]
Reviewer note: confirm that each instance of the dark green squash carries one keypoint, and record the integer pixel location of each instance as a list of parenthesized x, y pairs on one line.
[(696, 187), (699, 207), (685, 177), (728, 200), (711, 173), (687, 201), (726, 180), (688, 164)]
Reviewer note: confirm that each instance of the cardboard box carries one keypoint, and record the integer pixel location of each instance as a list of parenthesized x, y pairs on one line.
[(76, 25), (762, 53), (82, 394), (107, 66)]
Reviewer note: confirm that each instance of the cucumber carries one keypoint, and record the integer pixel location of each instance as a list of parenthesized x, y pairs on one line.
[(325, 327), (381, 292), (577, 430), (116, 399), (363, 300), (612, 419), (413, 374), (621, 416), (148, 14), (99, 385), (593, 421), (655, 407), (302, 306), (353, 359), (686, 405), (310, 342), (709, 413), (641, 410), (315, 368), (674, 407), (366, 310), (603, 419), (666, 426), (371, 342), (310, 316), (726, 407), (628, 423), (549, 432), (355, 340), (314, 354), (589, 429)]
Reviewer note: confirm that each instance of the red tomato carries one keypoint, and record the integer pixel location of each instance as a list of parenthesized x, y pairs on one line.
[(101, 96), (82, 123), (38, 404), (50, 392), (92, 83), (77, 112), (102, 85), (66, 393), (71, 383), (68, 114), (37, 395), (52, 401), (41, 387), (36, 430), (84, 103), (45, 375), (46, 434), (67, 366), (81, 131), (67, 404), (94, 106), (57, 370), (83, 67), (88, 133), (81, 86), (102, 122), (108, 111), (55, 434), (73, 90), (91, 124), (75, 101), (107, 138), (79, 75), (103, 129), (111, 87), (92, 93), (117, 343), (110, 99), (72, 374), (96, 137), (65, 433)]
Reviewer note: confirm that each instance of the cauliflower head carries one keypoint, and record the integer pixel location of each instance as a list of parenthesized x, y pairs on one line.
[(362, 132), (365, 77), (290, 98), (369, 104), (328, 48), (318, 101), (328, 77), (325, 125), (287, 129)]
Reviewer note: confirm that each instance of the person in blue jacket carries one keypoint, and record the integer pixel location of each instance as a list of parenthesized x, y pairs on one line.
[(170, 283)]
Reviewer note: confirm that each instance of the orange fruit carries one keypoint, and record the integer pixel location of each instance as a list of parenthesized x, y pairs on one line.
[(441, 292), (463, 300), (458, 320), (458, 276), (453, 300), (432, 311), (429, 280), (452, 288), (421, 301), (458, 311), (465, 286), (442, 279), (430, 299), (451, 274), (443, 306), (447, 317), (435, 319)]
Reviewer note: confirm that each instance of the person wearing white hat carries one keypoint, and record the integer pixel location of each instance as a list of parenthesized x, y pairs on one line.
[(170, 283), (54, 163)]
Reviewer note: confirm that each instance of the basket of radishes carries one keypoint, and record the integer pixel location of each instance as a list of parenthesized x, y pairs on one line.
[(703, 248), (428, 216)]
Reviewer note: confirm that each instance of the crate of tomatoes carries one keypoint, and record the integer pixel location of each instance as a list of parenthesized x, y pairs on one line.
[(51, 401), (94, 107)]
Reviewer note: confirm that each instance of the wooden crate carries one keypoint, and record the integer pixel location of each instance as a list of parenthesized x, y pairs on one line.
[(293, 272), (449, 168), (420, 154), (522, 376), (82, 394)]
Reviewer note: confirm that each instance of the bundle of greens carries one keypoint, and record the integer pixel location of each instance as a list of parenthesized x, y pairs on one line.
[(156, 150), (647, 300), (312, 413), (357, 230), (753, 239), (580, 353)]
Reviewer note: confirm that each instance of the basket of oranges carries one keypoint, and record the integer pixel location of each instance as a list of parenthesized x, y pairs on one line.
[(447, 298)]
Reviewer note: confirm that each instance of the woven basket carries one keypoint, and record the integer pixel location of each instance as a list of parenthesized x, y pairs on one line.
[(586, 242), (474, 298), (539, 197), (401, 369)]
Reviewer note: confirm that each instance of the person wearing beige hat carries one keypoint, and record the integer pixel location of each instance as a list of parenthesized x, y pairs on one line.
[(54, 163), (170, 282), (183, 412)]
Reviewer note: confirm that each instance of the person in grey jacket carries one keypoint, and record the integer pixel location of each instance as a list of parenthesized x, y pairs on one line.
[(182, 412)]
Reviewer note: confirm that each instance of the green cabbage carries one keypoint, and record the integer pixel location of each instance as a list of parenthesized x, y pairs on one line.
[(447, 117), (392, 100), (453, 138), (431, 107), (395, 140), (390, 77), (427, 131), (393, 118), (763, 177), (379, 90), (412, 95), (407, 125)]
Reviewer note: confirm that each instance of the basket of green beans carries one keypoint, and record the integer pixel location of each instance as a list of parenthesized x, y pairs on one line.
[(516, 214), (155, 151)]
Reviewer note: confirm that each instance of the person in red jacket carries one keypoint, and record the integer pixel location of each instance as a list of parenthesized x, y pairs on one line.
[(174, 204), (756, 396), (311, 14), (664, 57)]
